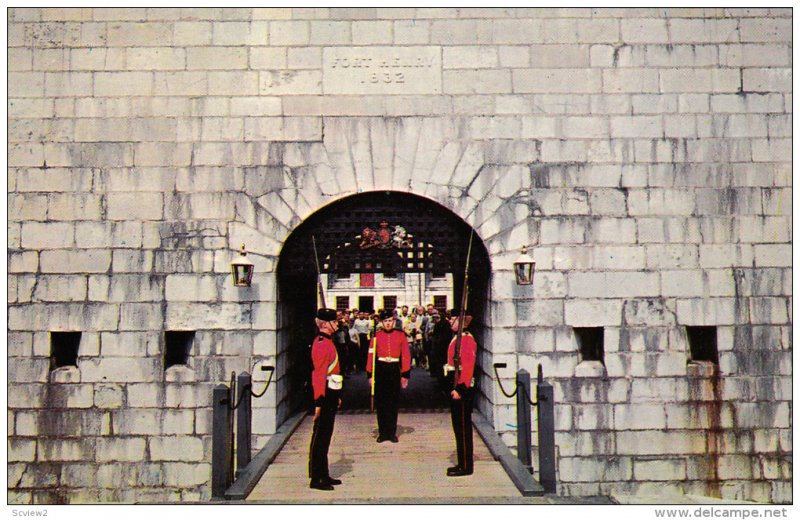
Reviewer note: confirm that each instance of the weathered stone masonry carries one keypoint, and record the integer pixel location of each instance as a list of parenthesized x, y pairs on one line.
[(644, 153)]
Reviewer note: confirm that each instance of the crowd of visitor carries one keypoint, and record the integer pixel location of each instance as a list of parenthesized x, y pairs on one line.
[(426, 328)]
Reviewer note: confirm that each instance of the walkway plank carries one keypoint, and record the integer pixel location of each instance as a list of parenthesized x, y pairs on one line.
[(413, 469)]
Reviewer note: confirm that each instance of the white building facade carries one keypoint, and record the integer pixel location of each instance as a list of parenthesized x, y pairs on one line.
[(379, 291), (642, 155)]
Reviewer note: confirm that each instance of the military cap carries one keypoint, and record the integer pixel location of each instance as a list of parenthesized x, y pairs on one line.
[(386, 314), (326, 314)]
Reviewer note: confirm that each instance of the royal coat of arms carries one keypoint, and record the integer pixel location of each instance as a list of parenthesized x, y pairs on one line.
[(386, 237)]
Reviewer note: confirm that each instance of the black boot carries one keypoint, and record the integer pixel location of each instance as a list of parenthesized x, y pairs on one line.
[(323, 485), (460, 473)]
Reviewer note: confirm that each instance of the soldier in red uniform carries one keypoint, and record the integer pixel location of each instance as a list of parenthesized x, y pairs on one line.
[(461, 397), (326, 380), (389, 360)]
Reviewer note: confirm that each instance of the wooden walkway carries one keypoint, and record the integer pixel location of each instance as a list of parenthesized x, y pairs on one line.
[(411, 471)]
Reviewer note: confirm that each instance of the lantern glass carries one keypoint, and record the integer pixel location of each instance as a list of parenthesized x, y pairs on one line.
[(242, 270), (524, 268), (242, 274)]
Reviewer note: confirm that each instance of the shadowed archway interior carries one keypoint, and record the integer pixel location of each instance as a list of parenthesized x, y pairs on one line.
[(437, 241)]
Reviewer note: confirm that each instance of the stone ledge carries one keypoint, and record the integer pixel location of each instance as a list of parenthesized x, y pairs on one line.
[(251, 474), (66, 375), (590, 369), (519, 475), (179, 374)]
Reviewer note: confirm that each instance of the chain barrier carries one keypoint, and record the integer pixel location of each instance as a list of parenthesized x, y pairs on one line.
[(248, 388), (525, 391)]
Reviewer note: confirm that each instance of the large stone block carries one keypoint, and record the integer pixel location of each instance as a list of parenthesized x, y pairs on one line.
[(489, 81), (108, 396), (707, 311), (136, 421), (211, 58), (89, 235), (613, 284), (653, 442), (144, 395), (569, 56), (769, 255), (682, 283), (47, 235), (141, 316), (127, 34), (578, 81), (592, 313), (593, 416), (120, 449), (156, 58), (660, 257), (134, 261), (189, 288), (112, 84), (57, 316), (618, 258), (639, 417), (193, 316), (135, 206), (765, 30), (631, 80), (767, 79), (21, 450), (522, 31), (644, 30), (27, 207), (63, 450), (176, 448), (762, 415), (120, 370), (595, 469), (659, 470), (186, 475), (53, 180), (727, 255), (60, 288)]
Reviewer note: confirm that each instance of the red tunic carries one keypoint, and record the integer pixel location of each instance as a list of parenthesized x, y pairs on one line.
[(469, 350), (326, 361), (392, 344)]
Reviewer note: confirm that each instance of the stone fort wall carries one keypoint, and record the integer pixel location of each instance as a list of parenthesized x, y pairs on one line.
[(645, 154)]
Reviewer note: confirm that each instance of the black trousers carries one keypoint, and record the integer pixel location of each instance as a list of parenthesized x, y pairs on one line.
[(387, 397), (461, 416), (321, 437), (363, 350)]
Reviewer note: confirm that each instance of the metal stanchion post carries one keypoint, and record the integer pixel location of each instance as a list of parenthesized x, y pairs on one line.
[(243, 422), (524, 419), (547, 444), (221, 442)]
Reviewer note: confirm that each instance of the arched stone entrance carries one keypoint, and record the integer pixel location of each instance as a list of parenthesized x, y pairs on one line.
[(437, 241)]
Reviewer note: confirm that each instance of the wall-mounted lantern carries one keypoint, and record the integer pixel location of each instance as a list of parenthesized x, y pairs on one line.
[(242, 270), (524, 268)]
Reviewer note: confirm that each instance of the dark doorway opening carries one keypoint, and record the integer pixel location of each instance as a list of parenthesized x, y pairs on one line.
[(375, 232), (366, 304)]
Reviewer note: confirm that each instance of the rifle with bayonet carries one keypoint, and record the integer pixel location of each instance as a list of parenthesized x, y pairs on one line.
[(374, 341), (461, 315), (319, 276)]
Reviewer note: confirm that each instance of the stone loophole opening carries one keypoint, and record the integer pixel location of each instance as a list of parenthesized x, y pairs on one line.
[(64, 349), (177, 346), (703, 344), (590, 343)]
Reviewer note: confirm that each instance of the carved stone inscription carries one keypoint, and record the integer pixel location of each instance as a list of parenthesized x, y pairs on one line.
[(382, 70)]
